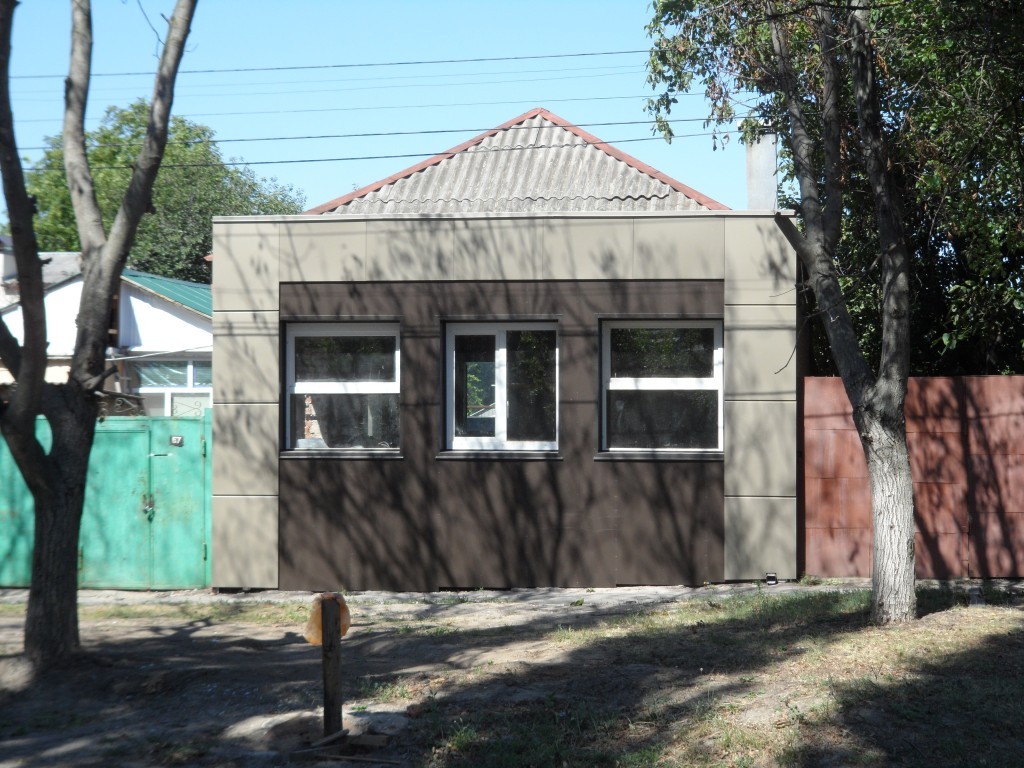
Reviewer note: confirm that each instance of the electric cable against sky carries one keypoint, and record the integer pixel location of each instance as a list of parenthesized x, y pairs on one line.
[(608, 70), (350, 66), (442, 153), (382, 107), (380, 134)]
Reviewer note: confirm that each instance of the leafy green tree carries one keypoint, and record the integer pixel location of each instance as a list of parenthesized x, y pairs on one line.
[(902, 128), (813, 71), (194, 186), (954, 102)]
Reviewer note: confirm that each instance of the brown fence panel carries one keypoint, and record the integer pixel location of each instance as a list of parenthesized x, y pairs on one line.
[(966, 441)]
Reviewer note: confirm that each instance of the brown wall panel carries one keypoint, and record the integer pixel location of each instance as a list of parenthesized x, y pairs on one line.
[(431, 519)]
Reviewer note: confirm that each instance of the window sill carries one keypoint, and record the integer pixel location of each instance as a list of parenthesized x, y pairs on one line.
[(499, 456), (660, 456), (342, 453)]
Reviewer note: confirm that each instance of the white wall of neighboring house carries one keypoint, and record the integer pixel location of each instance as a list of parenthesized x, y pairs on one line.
[(61, 305), (151, 324), (152, 330)]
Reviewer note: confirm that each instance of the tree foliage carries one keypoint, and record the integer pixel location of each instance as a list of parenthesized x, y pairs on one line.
[(952, 102), (194, 185)]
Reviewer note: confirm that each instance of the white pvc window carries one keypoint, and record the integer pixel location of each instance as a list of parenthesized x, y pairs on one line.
[(662, 385), (342, 386), (181, 388), (502, 386)]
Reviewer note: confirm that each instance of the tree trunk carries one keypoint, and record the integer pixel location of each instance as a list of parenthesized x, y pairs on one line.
[(883, 436), (51, 623)]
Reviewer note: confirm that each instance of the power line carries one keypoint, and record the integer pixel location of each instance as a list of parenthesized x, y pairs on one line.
[(377, 134), (357, 65), (234, 163), (324, 81), (381, 107)]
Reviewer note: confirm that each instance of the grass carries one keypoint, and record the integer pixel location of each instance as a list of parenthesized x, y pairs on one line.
[(764, 679)]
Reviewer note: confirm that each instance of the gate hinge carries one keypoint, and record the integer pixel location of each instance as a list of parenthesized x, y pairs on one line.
[(204, 552), (202, 443)]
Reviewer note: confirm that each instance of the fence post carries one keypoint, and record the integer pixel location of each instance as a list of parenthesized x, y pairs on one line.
[(330, 616)]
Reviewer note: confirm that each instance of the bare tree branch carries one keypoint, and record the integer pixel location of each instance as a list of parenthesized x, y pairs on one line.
[(28, 363), (76, 164), (104, 257)]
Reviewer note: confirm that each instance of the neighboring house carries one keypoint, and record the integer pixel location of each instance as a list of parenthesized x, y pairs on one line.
[(160, 342), (58, 266), (531, 360)]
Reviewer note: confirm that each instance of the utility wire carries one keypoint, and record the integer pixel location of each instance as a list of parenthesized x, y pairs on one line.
[(380, 134), (381, 107), (358, 65), (390, 157), (608, 70)]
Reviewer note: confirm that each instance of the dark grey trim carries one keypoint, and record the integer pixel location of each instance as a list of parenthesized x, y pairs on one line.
[(499, 456), (660, 456)]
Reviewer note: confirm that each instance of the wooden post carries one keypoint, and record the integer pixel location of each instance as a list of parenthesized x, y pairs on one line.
[(330, 616)]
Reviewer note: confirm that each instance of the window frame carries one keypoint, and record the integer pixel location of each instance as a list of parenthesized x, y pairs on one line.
[(168, 392), (664, 384), (499, 442), (340, 328)]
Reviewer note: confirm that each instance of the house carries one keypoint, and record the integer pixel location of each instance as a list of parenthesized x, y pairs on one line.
[(160, 342), (58, 266), (531, 360)]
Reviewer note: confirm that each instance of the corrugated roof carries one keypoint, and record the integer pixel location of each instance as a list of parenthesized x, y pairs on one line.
[(535, 162), (194, 296)]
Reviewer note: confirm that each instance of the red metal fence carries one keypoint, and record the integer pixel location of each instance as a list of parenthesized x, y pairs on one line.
[(966, 443)]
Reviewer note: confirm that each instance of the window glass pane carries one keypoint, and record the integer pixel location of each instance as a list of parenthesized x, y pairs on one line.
[(161, 374), (683, 353), (531, 385), (662, 419), (344, 421), (202, 374), (345, 358), (474, 386)]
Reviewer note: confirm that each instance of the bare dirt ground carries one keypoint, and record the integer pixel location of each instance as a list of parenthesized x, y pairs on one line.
[(219, 681), (203, 689)]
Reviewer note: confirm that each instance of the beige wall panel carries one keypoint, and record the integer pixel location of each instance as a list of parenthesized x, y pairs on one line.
[(245, 265), (587, 249), (760, 363), (760, 537), (244, 544), (760, 267), (245, 357), (410, 249), (760, 448), (246, 439), (323, 250), (678, 249), (499, 249)]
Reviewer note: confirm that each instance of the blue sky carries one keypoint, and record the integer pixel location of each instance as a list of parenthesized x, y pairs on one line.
[(257, 115)]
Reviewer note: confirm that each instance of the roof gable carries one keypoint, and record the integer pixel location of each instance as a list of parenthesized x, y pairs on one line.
[(535, 162)]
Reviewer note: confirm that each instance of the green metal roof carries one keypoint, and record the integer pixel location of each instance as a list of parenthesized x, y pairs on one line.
[(194, 296)]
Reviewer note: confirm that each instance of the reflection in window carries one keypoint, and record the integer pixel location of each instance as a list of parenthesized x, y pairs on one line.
[(343, 386), (662, 385), (502, 385)]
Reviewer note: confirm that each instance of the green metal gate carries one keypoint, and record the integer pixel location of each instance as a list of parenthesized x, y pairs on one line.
[(146, 522)]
